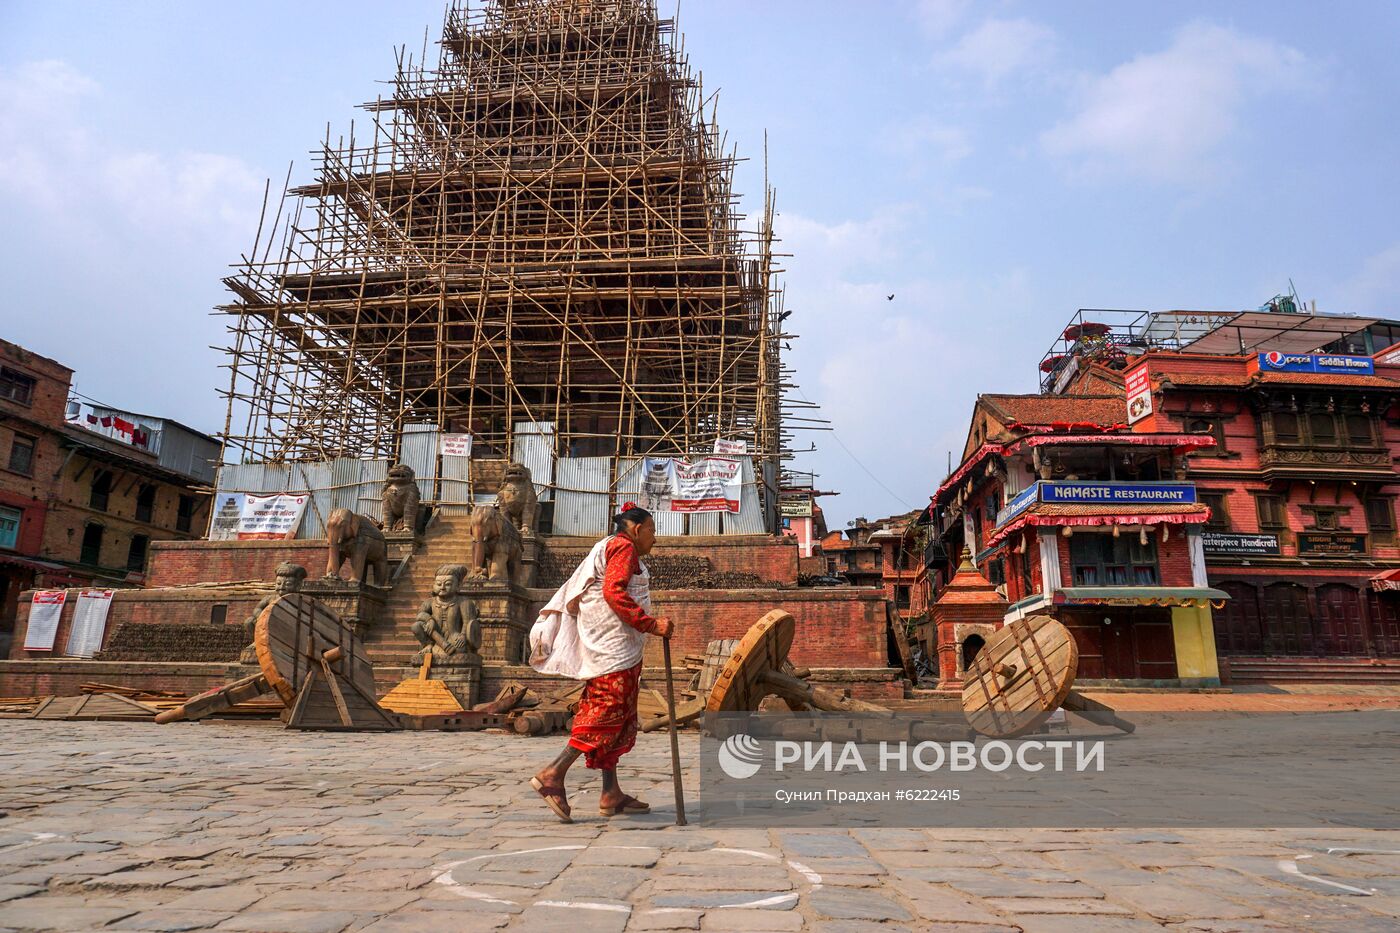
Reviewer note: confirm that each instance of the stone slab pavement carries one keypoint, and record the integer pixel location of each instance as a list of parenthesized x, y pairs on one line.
[(236, 826)]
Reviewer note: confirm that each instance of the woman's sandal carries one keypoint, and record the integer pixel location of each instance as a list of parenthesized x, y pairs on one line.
[(553, 796), (628, 805)]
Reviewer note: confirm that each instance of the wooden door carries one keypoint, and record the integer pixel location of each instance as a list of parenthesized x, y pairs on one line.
[(1339, 617), (1287, 620), (1239, 627), (1154, 644), (1385, 623), (1119, 645), (1088, 631)]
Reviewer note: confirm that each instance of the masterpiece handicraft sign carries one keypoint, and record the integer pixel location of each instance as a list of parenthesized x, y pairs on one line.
[(1240, 545)]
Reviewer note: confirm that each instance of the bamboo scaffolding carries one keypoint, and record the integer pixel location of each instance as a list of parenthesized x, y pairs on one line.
[(542, 226)]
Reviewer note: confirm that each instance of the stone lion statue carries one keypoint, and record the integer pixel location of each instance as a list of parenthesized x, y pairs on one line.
[(357, 539), (517, 499), (496, 549), (400, 498)]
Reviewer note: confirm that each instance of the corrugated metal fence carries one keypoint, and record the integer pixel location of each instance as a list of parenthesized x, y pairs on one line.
[(582, 488)]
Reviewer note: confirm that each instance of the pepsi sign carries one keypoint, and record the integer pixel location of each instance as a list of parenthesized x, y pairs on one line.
[(1277, 362)]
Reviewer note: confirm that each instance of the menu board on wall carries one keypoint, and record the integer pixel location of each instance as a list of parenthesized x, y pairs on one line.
[(89, 623), (44, 612)]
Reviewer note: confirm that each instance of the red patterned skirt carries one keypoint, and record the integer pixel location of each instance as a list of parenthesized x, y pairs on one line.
[(605, 725)]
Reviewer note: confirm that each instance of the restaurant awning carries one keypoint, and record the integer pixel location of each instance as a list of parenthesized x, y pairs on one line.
[(1196, 596), (1390, 580), (1061, 515)]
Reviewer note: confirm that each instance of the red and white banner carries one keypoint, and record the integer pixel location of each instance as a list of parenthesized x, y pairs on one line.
[(714, 484), (44, 612), (1139, 390)]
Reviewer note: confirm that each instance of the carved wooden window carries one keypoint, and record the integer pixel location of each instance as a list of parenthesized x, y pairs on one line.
[(1359, 432), (1219, 510), (1285, 425), (1215, 427), (1325, 518), (1103, 560), (1323, 427), (1272, 511), (1380, 519)]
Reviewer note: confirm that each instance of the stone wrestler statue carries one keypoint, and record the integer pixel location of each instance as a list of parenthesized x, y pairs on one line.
[(448, 626), (289, 580)]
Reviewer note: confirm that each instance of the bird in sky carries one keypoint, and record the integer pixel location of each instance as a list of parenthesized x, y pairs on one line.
[(889, 298)]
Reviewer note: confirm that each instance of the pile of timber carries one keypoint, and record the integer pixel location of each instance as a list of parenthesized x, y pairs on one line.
[(175, 641)]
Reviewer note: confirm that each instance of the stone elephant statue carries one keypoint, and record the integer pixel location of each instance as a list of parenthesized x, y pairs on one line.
[(496, 547), (357, 539)]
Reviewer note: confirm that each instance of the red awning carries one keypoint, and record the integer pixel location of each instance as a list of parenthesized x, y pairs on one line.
[(1176, 441), (1056, 515), (1390, 580)]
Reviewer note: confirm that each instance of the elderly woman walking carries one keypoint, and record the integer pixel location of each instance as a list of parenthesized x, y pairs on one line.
[(593, 630)]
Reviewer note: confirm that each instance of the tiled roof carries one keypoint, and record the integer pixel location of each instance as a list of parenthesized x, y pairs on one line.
[(1204, 379), (1106, 410), (1328, 379)]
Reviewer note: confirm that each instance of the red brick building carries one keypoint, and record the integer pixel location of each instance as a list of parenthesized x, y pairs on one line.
[(1068, 513), (83, 490), (1300, 478)]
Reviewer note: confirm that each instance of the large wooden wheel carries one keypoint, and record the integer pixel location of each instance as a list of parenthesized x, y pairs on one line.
[(741, 684), (1023, 674), (293, 633)]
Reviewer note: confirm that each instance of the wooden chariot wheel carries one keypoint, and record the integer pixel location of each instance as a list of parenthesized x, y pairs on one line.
[(1023, 674), (743, 681), (293, 633)]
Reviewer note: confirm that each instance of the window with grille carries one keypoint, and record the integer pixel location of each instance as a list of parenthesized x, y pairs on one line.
[(22, 455), (16, 386), (1103, 560), (9, 526)]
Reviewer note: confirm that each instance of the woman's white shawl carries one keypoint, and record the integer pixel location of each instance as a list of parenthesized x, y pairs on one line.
[(578, 635)]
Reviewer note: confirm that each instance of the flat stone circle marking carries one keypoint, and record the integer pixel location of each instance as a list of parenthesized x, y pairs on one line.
[(443, 876)]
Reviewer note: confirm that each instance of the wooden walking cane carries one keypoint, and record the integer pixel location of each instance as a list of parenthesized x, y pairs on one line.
[(675, 737)]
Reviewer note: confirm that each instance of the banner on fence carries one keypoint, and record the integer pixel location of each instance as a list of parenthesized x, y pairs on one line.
[(244, 516), (714, 484), (658, 484)]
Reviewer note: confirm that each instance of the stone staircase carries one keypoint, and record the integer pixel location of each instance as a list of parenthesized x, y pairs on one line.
[(1264, 670), (448, 541)]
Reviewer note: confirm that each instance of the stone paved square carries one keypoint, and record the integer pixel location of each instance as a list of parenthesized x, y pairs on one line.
[(234, 826)]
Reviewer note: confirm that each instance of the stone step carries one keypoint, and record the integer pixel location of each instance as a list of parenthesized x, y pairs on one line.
[(1245, 670)]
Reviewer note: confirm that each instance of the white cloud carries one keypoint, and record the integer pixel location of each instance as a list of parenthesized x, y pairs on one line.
[(1376, 288), (938, 17), (50, 158), (1165, 115), (999, 48)]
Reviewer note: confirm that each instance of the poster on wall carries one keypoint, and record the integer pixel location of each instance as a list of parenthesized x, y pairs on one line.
[(1138, 384), (455, 445), (227, 513), (271, 518), (44, 611), (89, 623), (726, 448), (658, 484), (714, 484)]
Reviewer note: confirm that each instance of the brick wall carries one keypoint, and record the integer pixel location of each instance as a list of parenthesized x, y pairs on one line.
[(180, 563), (45, 678), (836, 627), (137, 607), (771, 557)]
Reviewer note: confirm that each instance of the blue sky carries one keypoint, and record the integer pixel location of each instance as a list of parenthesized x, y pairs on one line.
[(995, 166)]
